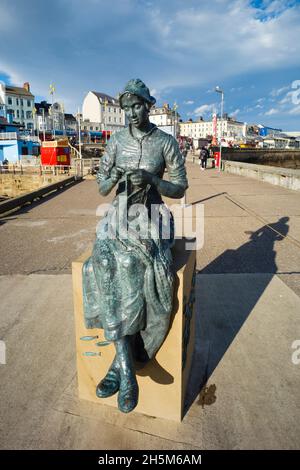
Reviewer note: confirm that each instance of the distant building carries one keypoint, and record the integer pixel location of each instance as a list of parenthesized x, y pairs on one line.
[(281, 141), (42, 118), (265, 130), (102, 112), (13, 144), (231, 129), (252, 130), (2, 102), (49, 117), (18, 102), (292, 134), (70, 122), (163, 116), (56, 113)]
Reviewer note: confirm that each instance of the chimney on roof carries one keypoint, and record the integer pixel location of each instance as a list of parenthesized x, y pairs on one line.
[(26, 86)]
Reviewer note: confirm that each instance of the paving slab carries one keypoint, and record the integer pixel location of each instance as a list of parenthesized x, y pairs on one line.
[(242, 359), (244, 387)]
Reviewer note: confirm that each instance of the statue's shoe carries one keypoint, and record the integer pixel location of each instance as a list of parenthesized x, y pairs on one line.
[(109, 385), (128, 396)]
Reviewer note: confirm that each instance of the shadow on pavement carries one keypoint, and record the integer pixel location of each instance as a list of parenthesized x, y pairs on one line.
[(207, 198), (223, 303)]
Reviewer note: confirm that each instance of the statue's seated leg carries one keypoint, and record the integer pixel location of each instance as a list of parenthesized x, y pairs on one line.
[(129, 390), (110, 384)]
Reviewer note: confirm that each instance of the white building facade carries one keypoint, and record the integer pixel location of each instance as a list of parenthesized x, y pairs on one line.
[(231, 130), (163, 116), (102, 112), (17, 103), (282, 141)]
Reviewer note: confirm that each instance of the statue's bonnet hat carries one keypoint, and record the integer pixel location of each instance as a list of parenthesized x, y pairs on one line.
[(137, 87)]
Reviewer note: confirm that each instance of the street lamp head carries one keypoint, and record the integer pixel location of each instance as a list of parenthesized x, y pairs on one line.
[(218, 89)]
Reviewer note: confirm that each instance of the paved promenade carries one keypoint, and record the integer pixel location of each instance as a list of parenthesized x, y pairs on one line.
[(248, 315)]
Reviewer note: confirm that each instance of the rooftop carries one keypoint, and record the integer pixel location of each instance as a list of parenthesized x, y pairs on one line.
[(43, 105), (15, 90), (103, 97)]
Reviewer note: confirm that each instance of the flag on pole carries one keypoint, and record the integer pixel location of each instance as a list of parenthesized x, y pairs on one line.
[(52, 88), (214, 123)]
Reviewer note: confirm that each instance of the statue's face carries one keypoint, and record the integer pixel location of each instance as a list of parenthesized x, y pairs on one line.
[(136, 110)]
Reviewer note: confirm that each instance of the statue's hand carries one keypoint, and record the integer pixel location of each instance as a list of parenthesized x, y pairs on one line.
[(115, 174), (141, 178)]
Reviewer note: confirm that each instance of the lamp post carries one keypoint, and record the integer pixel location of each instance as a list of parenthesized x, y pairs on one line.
[(52, 90), (175, 119), (218, 90), (44, 124), (105, 108)]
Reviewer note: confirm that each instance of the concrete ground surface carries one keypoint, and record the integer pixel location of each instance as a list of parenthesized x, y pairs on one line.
[(244, 386)]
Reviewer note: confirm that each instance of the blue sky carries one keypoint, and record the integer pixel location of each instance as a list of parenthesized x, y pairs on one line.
[(182, 49)]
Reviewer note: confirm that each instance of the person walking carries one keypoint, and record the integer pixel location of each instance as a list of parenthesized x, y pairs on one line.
[(203, 157)]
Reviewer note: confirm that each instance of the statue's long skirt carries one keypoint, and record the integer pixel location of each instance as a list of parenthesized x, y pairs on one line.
[(128, 286)]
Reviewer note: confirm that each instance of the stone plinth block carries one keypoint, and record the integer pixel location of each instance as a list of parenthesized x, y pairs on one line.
[(162, 382)]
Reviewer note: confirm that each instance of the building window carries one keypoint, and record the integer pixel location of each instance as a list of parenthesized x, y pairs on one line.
[(28, 103), (120, 120), (24, 151), (18, 113), (115, 119), (21, 101), (85, 128), (22, 114), (28, 115), (17, 101), (109, 119), (9, 100), (97, 128), (115, 110), (91, 128)]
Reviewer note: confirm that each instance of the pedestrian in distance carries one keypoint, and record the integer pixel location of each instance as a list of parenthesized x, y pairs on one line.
[(203, 157)]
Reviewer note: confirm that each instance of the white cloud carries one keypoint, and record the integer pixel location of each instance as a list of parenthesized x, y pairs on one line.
[(156, 93), (14, 75), (236, 112), (205, 109), (287, 98), (223, 53), (283, 105), (188, 102), (278, 91), (234, 89), (173, 45), (295, 111), (271, 112)]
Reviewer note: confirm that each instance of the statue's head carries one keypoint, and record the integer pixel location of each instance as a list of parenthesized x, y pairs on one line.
[(136, 101)]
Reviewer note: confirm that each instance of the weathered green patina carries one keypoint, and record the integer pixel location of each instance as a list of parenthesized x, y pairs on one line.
[(128, 281)]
